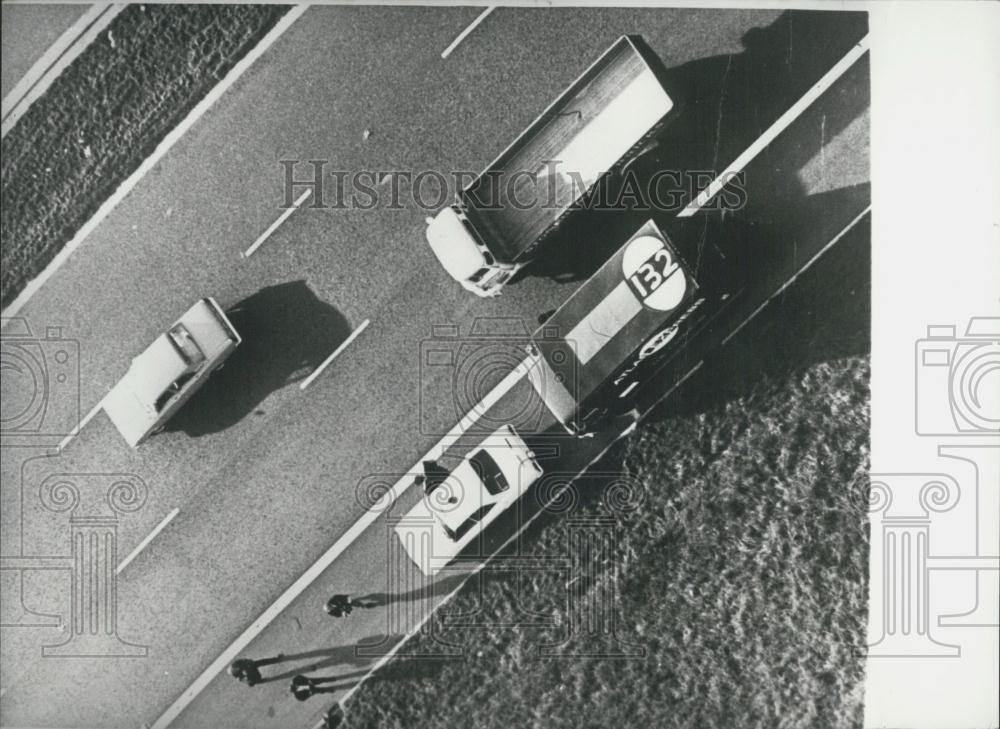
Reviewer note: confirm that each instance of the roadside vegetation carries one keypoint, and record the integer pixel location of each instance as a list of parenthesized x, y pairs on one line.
[(105, 114), (740, 571)]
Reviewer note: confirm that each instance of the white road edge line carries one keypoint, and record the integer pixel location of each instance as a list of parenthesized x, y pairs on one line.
[(798, 273), (793, 112), (343, 345), (161, 150), (338, 548), (274, 226), (370, 516), (627, 431), (413, 631), (86, 419), (145, 542), (472, 26), (54, 61), (632, 427)]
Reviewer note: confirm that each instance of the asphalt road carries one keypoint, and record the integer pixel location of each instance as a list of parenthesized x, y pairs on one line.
[(265, 475), (28, 31)]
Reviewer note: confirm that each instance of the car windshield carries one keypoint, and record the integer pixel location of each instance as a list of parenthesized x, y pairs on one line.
[(186, 345), (489, 472), (175, 388)]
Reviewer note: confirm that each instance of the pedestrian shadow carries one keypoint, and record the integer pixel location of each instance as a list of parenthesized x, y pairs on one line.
[(315, 660), (287, 332), (723, 104), (382, 599)]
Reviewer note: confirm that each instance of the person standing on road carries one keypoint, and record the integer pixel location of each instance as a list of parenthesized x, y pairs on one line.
[(302, 687), (339, 606), (247, 670)]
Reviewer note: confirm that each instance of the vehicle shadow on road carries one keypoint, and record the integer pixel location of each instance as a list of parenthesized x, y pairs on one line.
[(825, 315), (287, 332), (724, 104)]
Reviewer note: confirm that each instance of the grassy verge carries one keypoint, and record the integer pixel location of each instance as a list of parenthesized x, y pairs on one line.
[(105, 114), (741, 573)]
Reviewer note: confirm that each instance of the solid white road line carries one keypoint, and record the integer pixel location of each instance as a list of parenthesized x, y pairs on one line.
[(86, 419), (798, 273), (161, 150), (338, 548), (626, 432), (794, 111), (461, 36), (54, 61), (145, 542), (413, 631), (343, 345), (274, 226)]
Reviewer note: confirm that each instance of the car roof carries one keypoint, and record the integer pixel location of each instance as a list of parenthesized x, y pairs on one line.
[(155, 369)]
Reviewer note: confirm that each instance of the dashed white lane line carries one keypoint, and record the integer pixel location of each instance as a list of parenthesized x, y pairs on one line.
[(54, 61), (274, 226), (627, 431), (471, 27), (145, 542), (793, 112), (86, 419), (798, 273), (150, 162), (343, 345), (338, 548)]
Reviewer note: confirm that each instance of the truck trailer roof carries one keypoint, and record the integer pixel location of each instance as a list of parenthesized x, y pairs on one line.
[(610, 109), (616, 311)]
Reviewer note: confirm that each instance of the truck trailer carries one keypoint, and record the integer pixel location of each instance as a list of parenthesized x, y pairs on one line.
[(501, 220), (644, 314)]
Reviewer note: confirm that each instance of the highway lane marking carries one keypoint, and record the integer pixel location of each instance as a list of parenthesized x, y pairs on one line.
[(86, 419), (627, 431), (343, 542), (471, 27), (385, 658), (798, 273), (274, 226), (370, 516), (782, 123), (54, 61), (150, 162), (145, 542), (343, 345)]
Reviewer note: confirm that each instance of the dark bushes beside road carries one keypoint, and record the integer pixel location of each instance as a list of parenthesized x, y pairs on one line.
[(105, 114)]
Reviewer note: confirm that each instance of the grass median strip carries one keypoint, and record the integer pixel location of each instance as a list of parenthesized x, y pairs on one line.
[(105, 114), (733, 591)]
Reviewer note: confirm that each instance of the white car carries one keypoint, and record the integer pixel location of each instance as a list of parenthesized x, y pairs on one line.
[(460, 504), (167, 374)]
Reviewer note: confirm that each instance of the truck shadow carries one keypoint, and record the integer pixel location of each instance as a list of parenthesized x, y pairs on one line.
[(724, 104), (287, 332), (825, 315)]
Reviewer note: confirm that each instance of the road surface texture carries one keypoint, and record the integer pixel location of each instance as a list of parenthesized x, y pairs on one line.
[(265, 475), (28, 31)]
